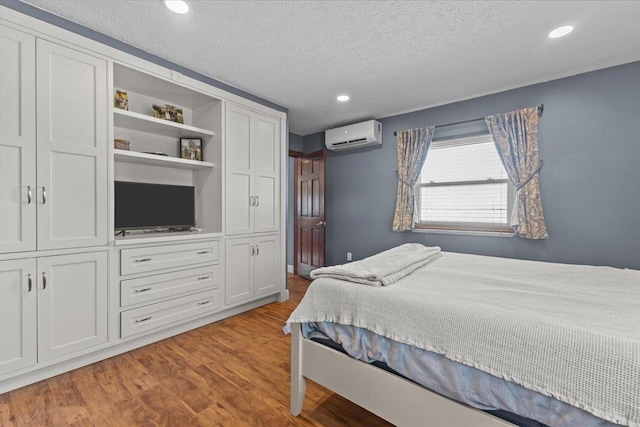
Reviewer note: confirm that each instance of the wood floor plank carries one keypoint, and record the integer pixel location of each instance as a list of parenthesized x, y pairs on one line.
[(94, 420), (28, 406), (235, 372)]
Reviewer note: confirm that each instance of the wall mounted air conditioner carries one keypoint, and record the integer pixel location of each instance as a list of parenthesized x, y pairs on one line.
[(357, 135)]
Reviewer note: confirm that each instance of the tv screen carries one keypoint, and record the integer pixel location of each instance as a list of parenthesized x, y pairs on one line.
[(140, 205)]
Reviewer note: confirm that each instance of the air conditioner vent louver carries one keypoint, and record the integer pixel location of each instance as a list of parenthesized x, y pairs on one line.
[(357, 135), (351, 141)]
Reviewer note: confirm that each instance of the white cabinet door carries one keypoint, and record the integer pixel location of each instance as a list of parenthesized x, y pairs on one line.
[(267, 265), (239, 178), (17, 141), (252, 172), (266, 169), (239, 274), (72, 303), (71, 148), (17, 315)]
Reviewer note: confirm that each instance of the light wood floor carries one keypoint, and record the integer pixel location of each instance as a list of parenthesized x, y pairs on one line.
[(231, 373)]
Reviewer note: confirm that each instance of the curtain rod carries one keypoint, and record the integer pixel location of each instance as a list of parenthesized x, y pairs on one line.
[(540, 110)]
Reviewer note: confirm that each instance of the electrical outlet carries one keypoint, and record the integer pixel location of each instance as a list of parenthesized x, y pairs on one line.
[(348, 256)]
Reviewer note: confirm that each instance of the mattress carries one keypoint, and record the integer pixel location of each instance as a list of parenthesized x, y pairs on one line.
[(501, 398)]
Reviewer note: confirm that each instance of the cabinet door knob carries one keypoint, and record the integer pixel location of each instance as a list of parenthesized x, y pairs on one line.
[(28, 194), (251, 201), (257, 201), (44, 281), (253, 250), (30, 282), (44, 195), (257, 250)]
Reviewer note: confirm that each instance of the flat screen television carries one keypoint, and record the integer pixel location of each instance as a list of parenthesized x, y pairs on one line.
[(140, 205)]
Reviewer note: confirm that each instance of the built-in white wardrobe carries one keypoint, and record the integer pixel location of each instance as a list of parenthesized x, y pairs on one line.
[(71, 291)]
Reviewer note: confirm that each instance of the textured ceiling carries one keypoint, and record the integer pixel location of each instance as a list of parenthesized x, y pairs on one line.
[(389, 56)]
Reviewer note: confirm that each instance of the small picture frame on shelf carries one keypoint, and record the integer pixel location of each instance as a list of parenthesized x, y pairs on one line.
[(121, 100), (121, 144), (168, 112), (191, 148)]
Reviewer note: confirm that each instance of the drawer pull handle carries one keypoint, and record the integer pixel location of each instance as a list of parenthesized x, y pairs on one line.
[(143, 260), (204, 302), (28, 194), (204, 278), (143, 320), (137, 291), (30, 283), (203, 252), (44, 281)]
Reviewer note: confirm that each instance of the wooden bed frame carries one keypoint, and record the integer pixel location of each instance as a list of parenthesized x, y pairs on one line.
[(393, 398)]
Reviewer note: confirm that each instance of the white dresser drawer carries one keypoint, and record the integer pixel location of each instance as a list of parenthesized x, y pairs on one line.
[(154, 258), (166, 313), (155, 288)]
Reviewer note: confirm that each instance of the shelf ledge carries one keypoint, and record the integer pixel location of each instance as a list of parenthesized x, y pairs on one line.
[(140, 122), (126, 156), (160, 237)]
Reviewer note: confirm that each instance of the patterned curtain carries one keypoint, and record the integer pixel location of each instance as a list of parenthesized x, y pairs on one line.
[(516, 138), (412, 152)]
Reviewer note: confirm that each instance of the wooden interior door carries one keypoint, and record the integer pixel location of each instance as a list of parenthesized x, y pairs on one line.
[(310, 221)]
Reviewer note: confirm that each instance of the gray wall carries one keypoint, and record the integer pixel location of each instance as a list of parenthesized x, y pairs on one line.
[(295, 143), (589, 139)]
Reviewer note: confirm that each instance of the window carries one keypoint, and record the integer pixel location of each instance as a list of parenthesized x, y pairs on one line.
[(463, 186)]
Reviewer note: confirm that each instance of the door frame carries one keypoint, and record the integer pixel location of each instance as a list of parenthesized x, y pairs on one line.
[(295, 154)]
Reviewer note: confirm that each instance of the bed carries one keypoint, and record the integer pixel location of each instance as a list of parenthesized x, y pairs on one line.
[(467, 340)]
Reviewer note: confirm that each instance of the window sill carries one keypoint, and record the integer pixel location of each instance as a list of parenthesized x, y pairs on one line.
[(496, 233)]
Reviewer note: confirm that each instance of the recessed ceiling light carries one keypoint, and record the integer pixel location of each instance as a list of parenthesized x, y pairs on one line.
[(343, 98), (177, 6), (560, 32)]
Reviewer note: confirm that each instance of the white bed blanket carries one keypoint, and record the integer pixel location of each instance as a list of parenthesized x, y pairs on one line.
[(384, 268), (570, 332)]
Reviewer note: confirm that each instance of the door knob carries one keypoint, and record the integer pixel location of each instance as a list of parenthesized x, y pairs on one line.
[(322, 223)]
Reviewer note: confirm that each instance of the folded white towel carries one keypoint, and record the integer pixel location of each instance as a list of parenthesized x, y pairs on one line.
[(384, 268)]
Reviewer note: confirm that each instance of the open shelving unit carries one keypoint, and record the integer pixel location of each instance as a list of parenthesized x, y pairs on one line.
[(202, 117)]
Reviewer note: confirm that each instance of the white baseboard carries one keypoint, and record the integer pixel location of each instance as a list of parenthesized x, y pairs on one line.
[(289, 268)]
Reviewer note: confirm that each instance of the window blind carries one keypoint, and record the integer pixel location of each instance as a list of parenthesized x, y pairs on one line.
[(463, 183)]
